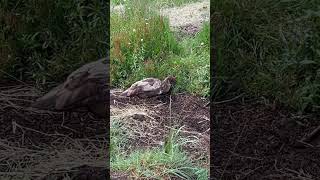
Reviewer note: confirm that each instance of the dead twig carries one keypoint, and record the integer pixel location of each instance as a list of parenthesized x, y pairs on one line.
[(308, 138)]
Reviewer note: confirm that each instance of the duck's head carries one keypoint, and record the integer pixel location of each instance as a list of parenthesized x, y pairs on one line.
[(168, 83), (171, 79)]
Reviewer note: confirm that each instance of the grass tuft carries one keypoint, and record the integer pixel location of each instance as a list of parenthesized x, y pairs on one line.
[(152, 163)]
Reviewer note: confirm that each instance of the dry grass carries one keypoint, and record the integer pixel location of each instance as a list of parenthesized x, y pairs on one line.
[(140, 124), (14, 96), (39, 162), (22, 159)]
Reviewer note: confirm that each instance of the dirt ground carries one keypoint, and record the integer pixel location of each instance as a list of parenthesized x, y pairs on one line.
[(37, 144), (186, 110), (252, 140), (149, 121)]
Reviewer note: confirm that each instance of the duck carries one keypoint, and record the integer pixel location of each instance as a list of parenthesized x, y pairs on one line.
[(150, 87), (85, 88)]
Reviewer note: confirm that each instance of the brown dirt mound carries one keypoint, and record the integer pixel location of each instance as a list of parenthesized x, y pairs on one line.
[(185, 110), (189, 110), (256, 141)]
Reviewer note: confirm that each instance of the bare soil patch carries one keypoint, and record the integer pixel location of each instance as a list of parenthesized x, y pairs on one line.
[(254, 141)]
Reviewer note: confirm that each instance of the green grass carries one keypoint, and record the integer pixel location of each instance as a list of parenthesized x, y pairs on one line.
[(138, 40), (192, 67), (270, 49), (161, 3), (44, 41), (142, 45), (158, 162)]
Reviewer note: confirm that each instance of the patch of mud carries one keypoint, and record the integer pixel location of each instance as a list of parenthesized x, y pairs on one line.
[(255, 141)]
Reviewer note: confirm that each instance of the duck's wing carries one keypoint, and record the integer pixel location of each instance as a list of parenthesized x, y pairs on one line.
[(150, 85), (85, 85), (144, 82)]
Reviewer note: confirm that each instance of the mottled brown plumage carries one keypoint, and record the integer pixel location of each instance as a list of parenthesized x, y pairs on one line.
[(150, 87), (84, 88)]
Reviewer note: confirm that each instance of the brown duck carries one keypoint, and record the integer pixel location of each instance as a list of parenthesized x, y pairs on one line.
[(84, 88), (150, 87)]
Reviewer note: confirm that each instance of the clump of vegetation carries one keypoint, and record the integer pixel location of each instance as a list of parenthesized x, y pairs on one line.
[(192, 68), (143, 45), (139, 41), (45, 40), (271, 49), (160, 162)]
